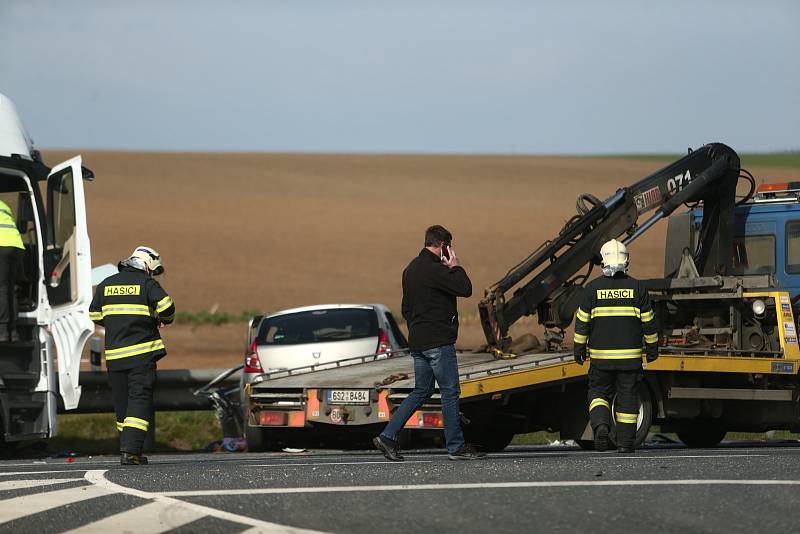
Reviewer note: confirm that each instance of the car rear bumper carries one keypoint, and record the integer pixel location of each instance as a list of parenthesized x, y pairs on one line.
[(309, 408)]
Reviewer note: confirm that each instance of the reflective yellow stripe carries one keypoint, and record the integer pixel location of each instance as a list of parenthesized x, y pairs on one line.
[(621, 354), (95, 316), (648, 316), (615, 311), (119, 426), (627, 417), (163, 304), (137, 426), (126, 309), (9, 234), (137, 421), (582, 315), (578, 338), (134, 350), (651, 338), (598, 402)]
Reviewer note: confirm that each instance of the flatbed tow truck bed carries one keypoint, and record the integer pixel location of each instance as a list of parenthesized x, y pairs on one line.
[(481, 373), (529, 392)]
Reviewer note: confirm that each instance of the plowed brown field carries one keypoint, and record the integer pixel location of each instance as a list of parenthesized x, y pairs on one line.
[(272, 231)]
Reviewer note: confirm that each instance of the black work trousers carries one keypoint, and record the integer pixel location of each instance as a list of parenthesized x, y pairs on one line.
[(132, 390), (9, 261), (617, 389)]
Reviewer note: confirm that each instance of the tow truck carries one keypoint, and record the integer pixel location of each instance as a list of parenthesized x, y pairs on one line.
[(39, 371), (725, 309)]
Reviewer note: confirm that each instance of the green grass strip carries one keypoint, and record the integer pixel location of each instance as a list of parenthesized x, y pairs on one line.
[(87, 434)]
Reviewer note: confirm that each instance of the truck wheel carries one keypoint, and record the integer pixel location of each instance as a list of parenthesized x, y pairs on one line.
[(490, 439), (258, 439), (645, 417), (702, 435)]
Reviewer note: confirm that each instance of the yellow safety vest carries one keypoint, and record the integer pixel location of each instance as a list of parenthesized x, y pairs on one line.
[(9, 235)]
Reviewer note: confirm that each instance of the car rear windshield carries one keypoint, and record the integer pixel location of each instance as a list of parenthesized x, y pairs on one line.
[(318, 326)]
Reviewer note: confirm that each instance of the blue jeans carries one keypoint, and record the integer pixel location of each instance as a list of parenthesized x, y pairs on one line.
[(436, 365)]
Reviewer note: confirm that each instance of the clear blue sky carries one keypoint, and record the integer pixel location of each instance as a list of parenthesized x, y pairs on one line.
[(410, 76)]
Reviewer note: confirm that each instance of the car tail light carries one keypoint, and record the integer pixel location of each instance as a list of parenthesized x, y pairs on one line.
[(432, 420), (251, 362), (272, 418), (384, 346)]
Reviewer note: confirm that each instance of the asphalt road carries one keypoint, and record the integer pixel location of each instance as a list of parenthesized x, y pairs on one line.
[(551, 489)]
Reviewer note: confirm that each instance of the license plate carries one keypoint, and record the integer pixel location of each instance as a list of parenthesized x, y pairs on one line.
[(348, 396)]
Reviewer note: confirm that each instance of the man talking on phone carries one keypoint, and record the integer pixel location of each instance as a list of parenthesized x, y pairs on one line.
[(431, 283)]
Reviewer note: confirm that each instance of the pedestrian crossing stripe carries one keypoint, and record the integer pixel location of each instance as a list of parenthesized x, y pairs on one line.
[(152, 512)]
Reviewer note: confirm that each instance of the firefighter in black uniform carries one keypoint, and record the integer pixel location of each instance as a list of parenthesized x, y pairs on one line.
[(614, 316), (132, 306)]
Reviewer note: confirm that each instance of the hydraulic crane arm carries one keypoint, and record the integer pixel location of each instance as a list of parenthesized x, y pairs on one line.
[(708, 175)]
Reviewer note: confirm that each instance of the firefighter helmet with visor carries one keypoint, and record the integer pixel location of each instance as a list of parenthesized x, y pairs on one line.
[(614, 255), (146, 257)]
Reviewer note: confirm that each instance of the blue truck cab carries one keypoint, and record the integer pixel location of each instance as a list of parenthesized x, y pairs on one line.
[(766, 236)]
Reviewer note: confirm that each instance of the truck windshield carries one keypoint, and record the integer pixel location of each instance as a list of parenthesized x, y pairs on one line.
[(318, 326), (753, 254), (793, 247)]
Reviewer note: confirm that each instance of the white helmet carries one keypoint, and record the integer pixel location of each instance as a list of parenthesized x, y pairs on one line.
[(615, 258), (147, 257)]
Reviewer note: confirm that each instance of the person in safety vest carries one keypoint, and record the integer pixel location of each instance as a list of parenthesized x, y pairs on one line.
[(613, 318), (11, 248), (132, 306)]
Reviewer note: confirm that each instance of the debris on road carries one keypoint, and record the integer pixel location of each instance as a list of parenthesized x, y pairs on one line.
[(227, 445)]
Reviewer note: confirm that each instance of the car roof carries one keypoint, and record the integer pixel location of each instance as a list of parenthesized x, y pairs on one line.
[(328, 307)]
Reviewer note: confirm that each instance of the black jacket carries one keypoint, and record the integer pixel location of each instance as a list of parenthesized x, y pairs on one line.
[(430, 289), (130, 306), (614, 318)]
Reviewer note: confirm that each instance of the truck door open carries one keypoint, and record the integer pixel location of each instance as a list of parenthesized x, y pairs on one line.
[(69, 285)]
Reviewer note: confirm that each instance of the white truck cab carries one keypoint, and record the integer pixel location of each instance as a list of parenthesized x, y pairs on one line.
[(54, 286)]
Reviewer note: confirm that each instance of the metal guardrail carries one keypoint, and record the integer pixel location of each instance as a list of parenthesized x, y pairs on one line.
[(174, 390)]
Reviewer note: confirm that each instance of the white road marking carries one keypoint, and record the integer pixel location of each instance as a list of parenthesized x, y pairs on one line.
[(479, 485), (77, 462), (152, 517), (616, 456), (32, 483), (18, 473), (18, 507), (97, 477)]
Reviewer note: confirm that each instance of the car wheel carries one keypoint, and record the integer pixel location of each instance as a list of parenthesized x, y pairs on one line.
[(702, 434)]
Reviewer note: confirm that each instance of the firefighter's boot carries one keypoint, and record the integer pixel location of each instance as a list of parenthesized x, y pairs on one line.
[(127, 458), (601, 438)]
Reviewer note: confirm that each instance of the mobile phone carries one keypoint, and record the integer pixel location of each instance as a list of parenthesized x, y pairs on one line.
[(445, 252)]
